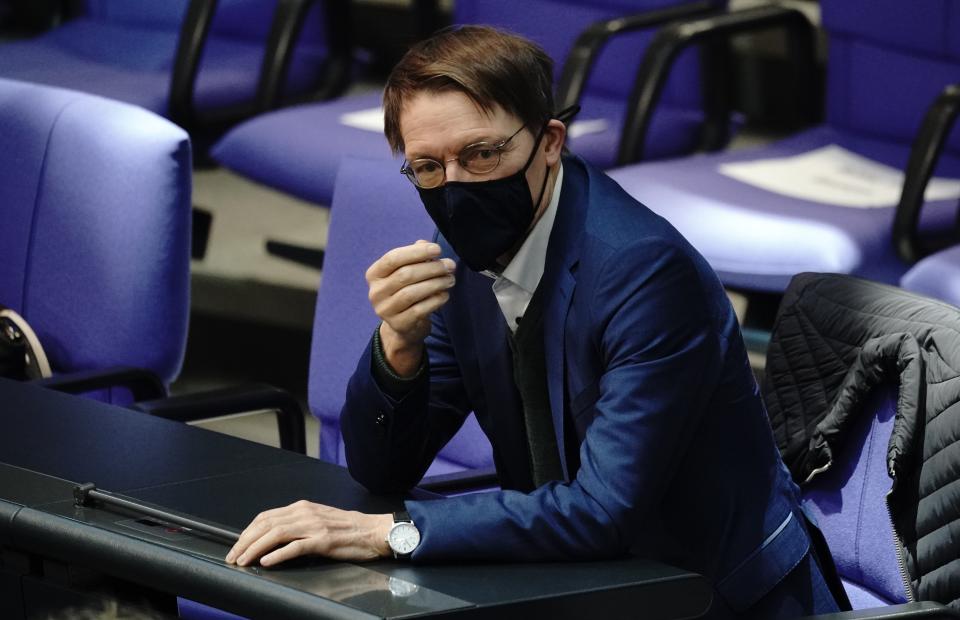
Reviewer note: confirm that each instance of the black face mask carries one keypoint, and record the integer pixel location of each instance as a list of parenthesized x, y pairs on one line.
[(483, 220)]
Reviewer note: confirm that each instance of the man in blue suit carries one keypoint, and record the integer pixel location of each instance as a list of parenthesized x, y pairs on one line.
[(594, 344)]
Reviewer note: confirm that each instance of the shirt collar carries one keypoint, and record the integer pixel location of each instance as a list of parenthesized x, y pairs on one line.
[(526, 267)]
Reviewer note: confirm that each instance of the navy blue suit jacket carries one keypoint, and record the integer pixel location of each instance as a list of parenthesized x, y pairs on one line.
[(644, 353)]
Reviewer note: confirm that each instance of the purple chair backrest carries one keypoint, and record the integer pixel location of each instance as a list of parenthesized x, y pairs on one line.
[(238, 19), (888, 60), (555, 25), (374, 210), (849, 502), (94, 245)]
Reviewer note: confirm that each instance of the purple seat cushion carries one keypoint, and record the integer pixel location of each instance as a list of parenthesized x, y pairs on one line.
[(110, 53), (757, 239), (298, 149), (375, 209), (96, 232), (937, 275), (192, 610), (862, 598), (848, 502)]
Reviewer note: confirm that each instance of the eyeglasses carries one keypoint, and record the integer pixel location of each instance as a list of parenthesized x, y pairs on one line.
[(477, 158)]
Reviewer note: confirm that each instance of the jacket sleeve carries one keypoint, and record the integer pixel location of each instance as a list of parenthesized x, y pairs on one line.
[(654, 327), (390, 442)]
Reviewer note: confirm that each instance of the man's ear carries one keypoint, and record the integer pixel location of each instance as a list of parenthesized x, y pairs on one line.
[(554, 137)]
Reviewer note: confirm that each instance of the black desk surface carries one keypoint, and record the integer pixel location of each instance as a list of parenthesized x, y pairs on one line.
[(54, 441)]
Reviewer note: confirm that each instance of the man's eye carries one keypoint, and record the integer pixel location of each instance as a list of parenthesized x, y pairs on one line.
[(482, 154), (425, 167)]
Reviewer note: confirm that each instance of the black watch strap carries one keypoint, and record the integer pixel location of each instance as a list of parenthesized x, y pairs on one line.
[(402, 516)]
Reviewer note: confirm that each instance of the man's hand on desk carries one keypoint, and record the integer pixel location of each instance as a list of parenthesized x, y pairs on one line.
[(305, 528)]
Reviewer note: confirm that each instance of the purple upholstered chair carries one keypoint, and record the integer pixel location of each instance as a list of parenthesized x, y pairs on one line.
[(887, 62), (147, 52), (297, 150), (95, 237), (375, 210), (849, 503), (937, 276)]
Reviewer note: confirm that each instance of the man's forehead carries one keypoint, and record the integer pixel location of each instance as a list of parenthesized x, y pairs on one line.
[(449, 119)]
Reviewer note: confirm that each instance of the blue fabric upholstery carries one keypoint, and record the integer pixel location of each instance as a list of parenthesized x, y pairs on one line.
[(897, 56), (192, 610), (297, 150), (375, 209), (94, 247), (849, 503), (888, 62), (124, 49), (937, 275)]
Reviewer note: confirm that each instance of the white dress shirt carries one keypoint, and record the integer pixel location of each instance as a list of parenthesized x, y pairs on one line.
[(514, 287)]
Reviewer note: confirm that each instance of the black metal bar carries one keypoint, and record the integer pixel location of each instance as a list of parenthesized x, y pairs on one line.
[(227, 401), (579, 62), (86, 494), (678, 36), (193, 36), (287, 23), (200, 232), (142, 383), (300, 254), (924, 156)]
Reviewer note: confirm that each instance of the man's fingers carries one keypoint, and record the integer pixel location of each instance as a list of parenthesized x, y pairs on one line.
[(271, 539), (289, 551), (398, 257), (421, 310), (260, 525), (412, 294)]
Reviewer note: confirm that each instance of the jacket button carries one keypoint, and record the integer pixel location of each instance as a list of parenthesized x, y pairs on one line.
[(381, 418)]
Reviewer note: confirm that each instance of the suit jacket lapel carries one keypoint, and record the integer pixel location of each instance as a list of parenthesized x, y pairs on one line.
[(558, 283)]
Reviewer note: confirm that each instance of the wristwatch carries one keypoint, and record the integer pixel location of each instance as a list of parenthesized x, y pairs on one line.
[(404, 535)]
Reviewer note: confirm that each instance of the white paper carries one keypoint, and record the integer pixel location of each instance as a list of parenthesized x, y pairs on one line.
[(582, 128), (372, 120), (834, 175), (368, 120)]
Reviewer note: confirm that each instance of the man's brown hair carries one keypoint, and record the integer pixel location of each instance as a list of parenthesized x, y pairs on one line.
[(490, 66)]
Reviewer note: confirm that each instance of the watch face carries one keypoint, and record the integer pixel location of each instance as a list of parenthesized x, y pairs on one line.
[(404, 538)]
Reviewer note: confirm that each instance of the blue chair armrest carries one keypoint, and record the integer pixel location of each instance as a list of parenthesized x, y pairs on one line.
[(143, 384), (580, 60), (924, 609), (193, 37), (678, 36), (287, 23), (214, 403), (924, 155)]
